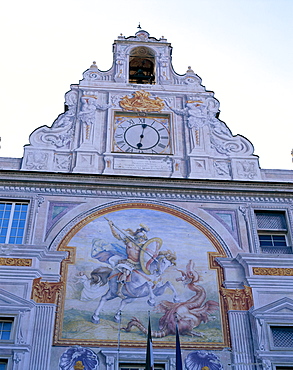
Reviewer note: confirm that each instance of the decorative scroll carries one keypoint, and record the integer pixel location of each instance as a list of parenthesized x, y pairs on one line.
[(59, 135), (45, 292), (273, 271), (237, 299), (15, 261), (141, 102)]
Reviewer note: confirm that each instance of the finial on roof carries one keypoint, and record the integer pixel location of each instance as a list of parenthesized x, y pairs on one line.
[(139, 27), (94, 65), (189, 70)]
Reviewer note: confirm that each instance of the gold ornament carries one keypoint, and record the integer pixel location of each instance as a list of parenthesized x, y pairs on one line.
[(273, 271), (15, 261), (78, 366), (45, 292), (237, 299), (141, 102)]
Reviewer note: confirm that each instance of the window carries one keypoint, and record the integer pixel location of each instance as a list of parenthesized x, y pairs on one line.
[(12, 222), (5, 328), (272, 232), (3, 364), (142, 66), (282, 336)]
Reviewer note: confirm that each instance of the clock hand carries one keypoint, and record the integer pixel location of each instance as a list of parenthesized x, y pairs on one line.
[(139, 145)]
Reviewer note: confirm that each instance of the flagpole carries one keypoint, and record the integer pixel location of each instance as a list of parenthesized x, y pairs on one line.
[(149, 363), (118, 341), (178, 348)]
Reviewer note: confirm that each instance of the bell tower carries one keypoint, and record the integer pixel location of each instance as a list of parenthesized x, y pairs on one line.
[(141, 118)]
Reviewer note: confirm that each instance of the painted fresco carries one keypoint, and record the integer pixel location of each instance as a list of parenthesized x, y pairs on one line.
[(134, 262)]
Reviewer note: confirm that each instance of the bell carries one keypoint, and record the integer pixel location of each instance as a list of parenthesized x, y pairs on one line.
[(140, 77)]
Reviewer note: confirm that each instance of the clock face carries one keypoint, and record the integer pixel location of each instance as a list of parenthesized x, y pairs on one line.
[(142, 134)]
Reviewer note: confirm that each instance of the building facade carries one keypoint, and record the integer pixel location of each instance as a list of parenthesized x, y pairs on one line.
[(138, 203)]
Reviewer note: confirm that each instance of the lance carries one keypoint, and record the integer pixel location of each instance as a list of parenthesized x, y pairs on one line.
[(131, 239)]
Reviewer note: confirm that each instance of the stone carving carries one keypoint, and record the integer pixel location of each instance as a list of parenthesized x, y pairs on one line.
[(61, 133), (199, 113), (40, 200), (87, 114), (37, 161), (164, 62), (195, 111), (195, 114), (120, 75), (246, 169), (19, 337), (141, 102), (202, 360), (192, 79), (222, 139), (92, 74), (164, 164), (237, 299), (222, 168), (16, 357), (15, 261), (273, 271), (45, 292), (79, 358), (63, 162), (142, 35), (266, 364)]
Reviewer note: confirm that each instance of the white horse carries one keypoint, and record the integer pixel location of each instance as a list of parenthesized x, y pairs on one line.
[(141, 284)]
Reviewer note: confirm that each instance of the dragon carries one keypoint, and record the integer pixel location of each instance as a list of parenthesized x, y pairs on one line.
[(187, 315)]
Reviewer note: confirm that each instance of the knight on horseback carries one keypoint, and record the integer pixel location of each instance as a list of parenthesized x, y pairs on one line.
[(134, 241)]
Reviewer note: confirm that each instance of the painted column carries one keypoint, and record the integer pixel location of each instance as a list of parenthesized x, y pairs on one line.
[(42, 337), (241, 338)]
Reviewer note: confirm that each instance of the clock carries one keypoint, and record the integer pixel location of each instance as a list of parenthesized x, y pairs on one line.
[(142, 133)]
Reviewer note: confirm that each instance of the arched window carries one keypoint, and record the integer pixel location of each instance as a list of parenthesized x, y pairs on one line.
[(142, 66)]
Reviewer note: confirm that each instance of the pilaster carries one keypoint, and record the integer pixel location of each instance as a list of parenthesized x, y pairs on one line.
[(42, 337), (241, 338)]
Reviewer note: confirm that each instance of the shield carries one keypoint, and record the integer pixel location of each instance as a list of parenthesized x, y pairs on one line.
[(149, 252)]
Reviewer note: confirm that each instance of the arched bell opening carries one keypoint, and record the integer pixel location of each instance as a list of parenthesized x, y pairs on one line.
[(142, 66)]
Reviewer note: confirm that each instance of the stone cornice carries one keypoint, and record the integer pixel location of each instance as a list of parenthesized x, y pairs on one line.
[(121, 186), (30, 251)]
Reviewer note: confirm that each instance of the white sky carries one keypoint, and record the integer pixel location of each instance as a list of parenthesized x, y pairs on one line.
[(242, 50)]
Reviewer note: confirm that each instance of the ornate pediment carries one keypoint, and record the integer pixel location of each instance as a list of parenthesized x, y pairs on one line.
[(284, 305), (10, 302), (141, 80)]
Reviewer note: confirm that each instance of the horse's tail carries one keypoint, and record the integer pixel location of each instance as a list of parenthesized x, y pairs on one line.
[(136, 322), (102, 273)]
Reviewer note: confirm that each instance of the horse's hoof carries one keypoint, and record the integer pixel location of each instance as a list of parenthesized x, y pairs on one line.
[(176, 300), (151, 302), (95, 319)]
